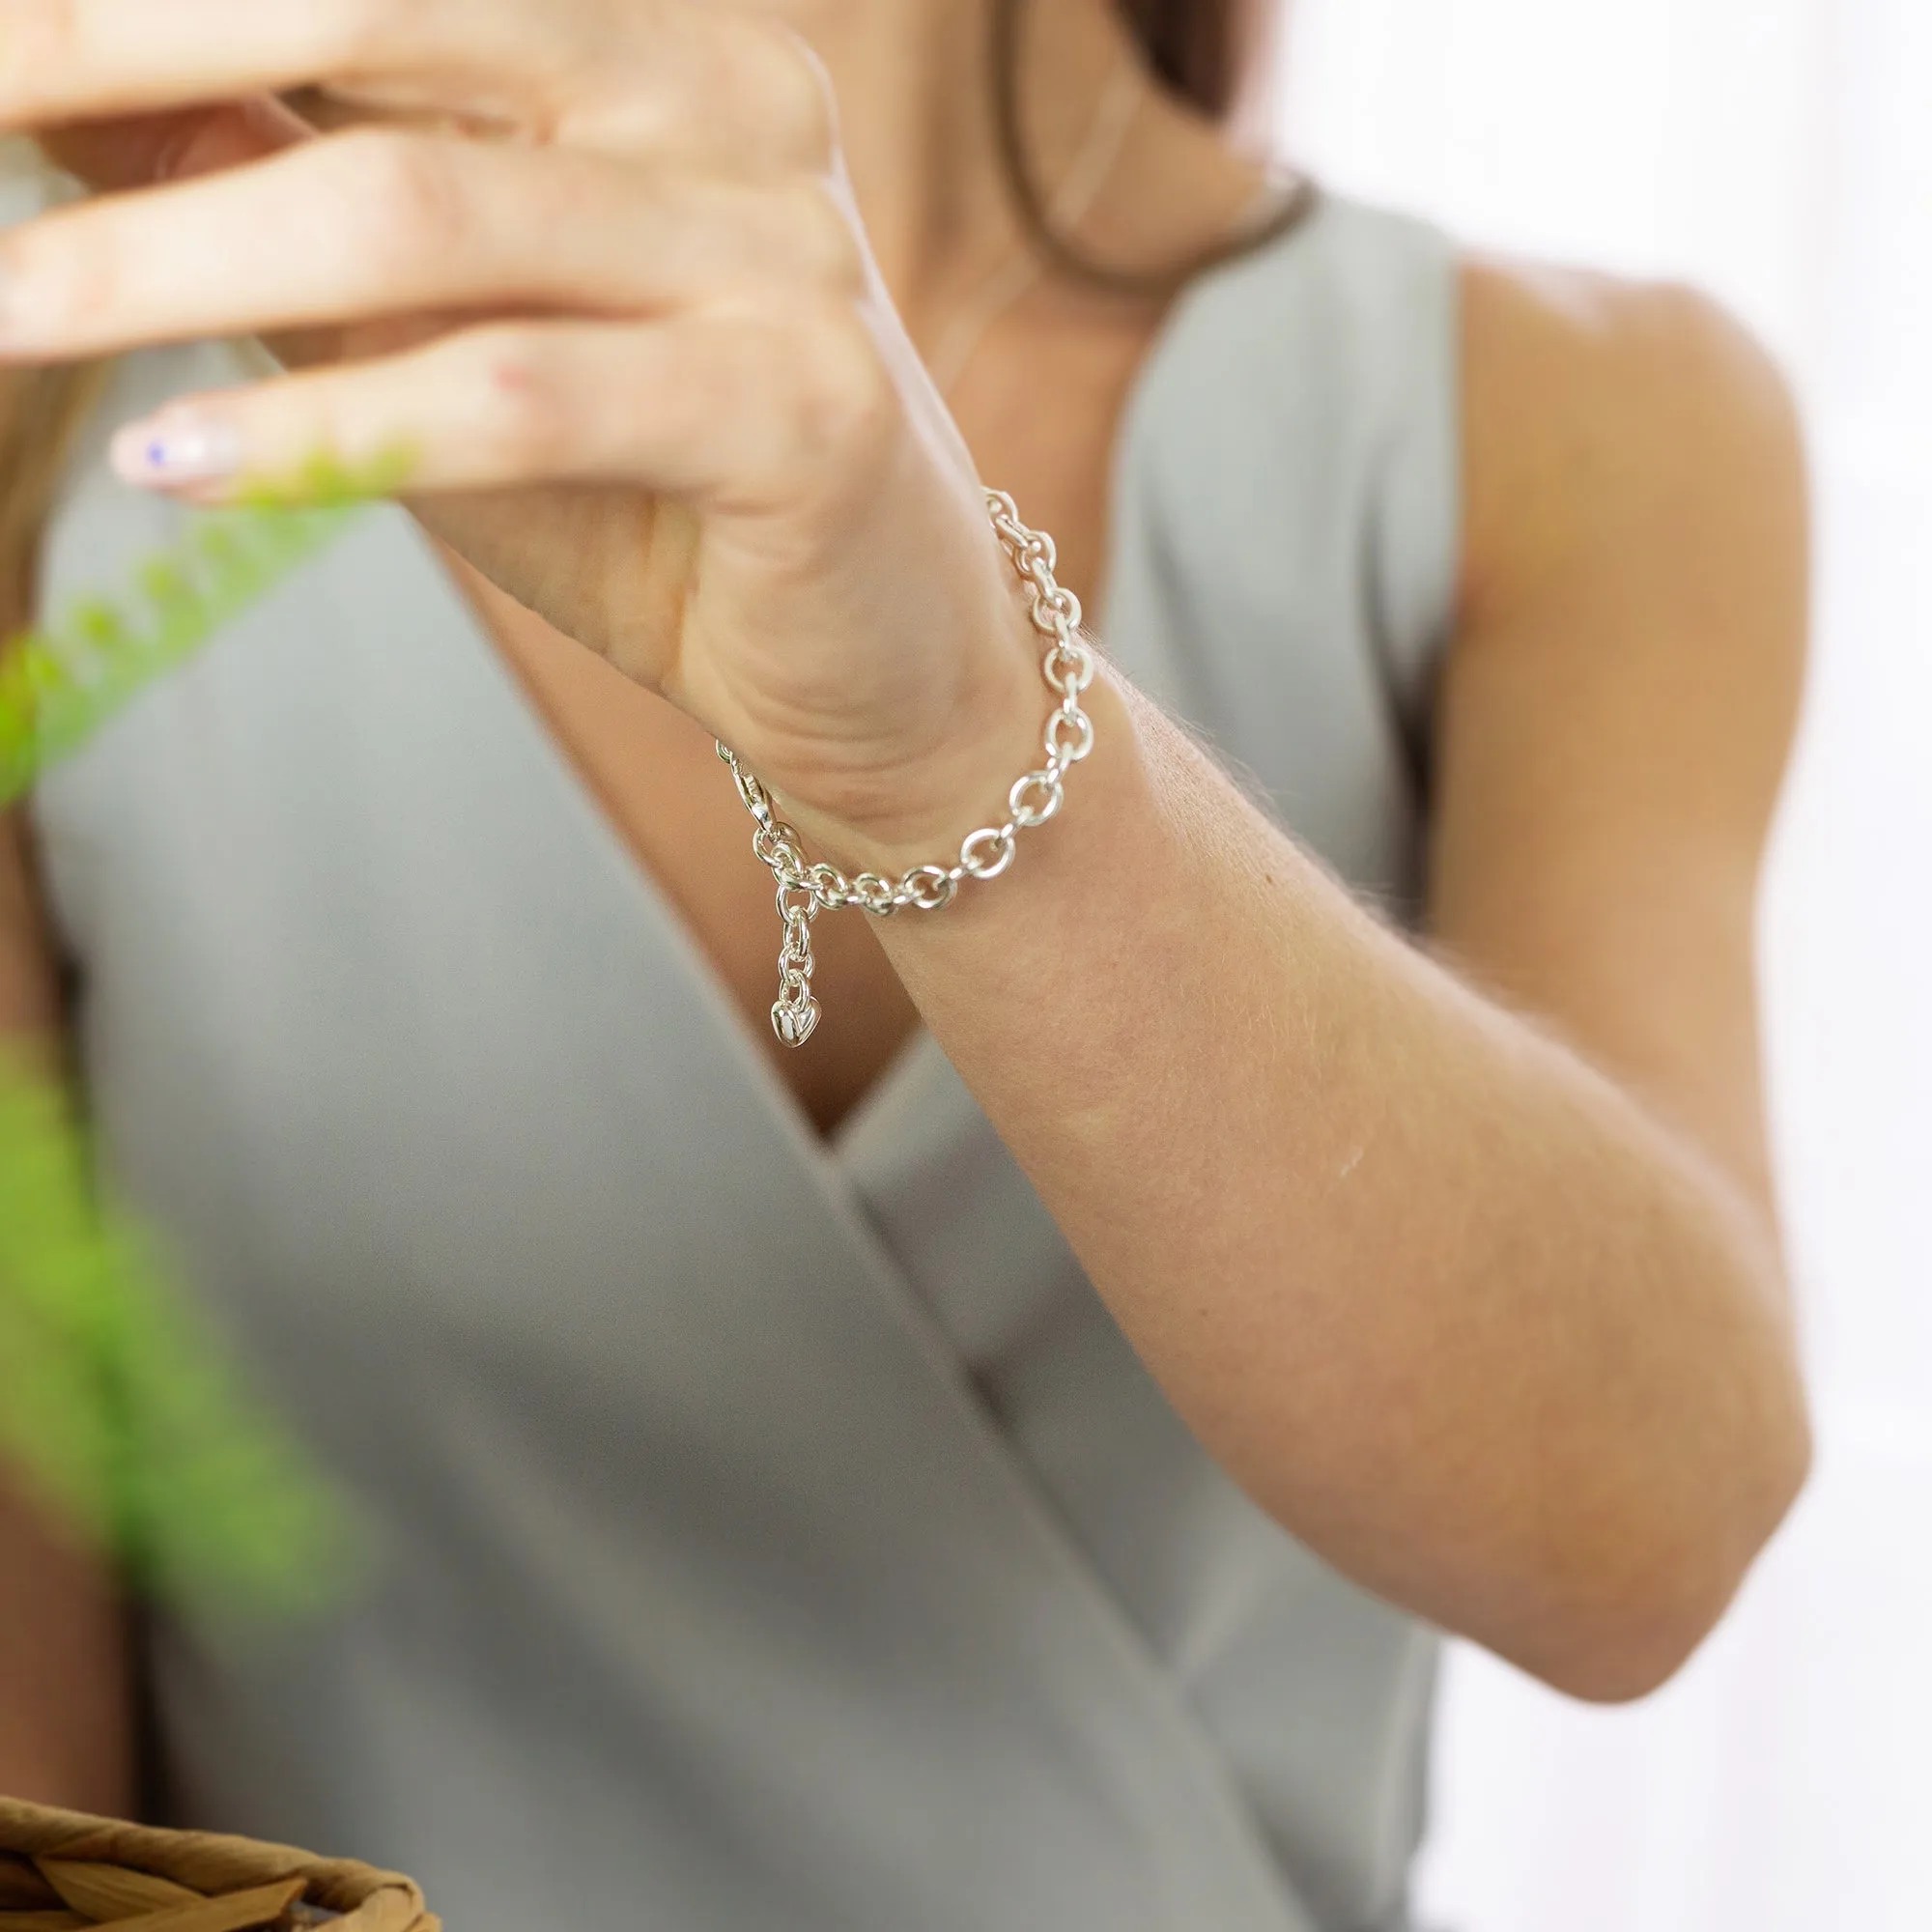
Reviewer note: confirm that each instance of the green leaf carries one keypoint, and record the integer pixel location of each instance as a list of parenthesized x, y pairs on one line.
[(123, 1407)]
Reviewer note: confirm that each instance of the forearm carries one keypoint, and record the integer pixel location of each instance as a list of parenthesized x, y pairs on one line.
[(66, 1724), (1456, 1311), (66, 1719)]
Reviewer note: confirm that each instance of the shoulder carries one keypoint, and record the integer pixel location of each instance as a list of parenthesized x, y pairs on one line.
[(1613, 425), (1627, 661), (1589, 335)]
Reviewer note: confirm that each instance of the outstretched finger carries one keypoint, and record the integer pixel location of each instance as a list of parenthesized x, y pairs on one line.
[(729, 407), (378, 224), (704, 79)]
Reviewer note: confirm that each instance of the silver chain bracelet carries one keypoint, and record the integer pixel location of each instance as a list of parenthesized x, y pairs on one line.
[(805, 891)]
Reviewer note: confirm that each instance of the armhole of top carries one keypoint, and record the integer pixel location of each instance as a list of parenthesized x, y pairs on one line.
[(1417, 555), (1370, 300)]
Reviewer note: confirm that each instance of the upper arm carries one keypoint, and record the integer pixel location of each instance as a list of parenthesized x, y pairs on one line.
[(1617, 705)]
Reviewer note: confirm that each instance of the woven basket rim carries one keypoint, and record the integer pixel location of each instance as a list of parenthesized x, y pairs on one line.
[(370, 1899)]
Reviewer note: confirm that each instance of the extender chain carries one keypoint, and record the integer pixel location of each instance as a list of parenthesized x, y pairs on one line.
[(805, 891)]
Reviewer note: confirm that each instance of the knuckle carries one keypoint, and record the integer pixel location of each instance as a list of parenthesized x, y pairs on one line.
[(797, 107), (842, 397), (403, 199), (820, 235), (517, 410), (348, 33)]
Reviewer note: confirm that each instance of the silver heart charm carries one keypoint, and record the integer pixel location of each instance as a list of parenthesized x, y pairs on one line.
[(794, 1024)]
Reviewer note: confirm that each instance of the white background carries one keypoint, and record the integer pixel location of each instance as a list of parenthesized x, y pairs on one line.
[(1779, 153)]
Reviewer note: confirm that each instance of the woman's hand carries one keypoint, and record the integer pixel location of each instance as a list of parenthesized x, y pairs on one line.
[(604, 290)]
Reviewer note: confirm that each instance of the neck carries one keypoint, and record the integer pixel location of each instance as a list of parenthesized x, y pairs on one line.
[(914, 94)]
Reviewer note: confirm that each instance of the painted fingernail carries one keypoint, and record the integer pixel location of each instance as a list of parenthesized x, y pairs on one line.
[(178, 449)]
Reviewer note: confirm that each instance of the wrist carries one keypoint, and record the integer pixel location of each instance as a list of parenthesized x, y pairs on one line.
[(1092, 796), (884, 883), (918, 813)]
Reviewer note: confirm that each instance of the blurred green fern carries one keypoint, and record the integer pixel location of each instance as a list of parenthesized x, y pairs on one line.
[(60, 683), (121, 1406), (118, 1403)]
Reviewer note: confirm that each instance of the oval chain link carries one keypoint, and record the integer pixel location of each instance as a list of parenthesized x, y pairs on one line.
[(805, 890)]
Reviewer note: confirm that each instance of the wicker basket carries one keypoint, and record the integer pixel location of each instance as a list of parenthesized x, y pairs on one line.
[(62, 1871)]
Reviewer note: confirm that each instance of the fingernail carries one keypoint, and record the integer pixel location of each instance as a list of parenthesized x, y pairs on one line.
[(167, 450)]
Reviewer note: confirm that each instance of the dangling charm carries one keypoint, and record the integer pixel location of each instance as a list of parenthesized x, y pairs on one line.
[(795, 1013), (793, 1025)]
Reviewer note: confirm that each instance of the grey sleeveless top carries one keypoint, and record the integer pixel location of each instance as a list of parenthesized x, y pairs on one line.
[(773, 1536)]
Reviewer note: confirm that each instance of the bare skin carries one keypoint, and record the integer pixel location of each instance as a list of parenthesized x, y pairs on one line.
[(1470, 1275), (66, 1716), (66, 1725)]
